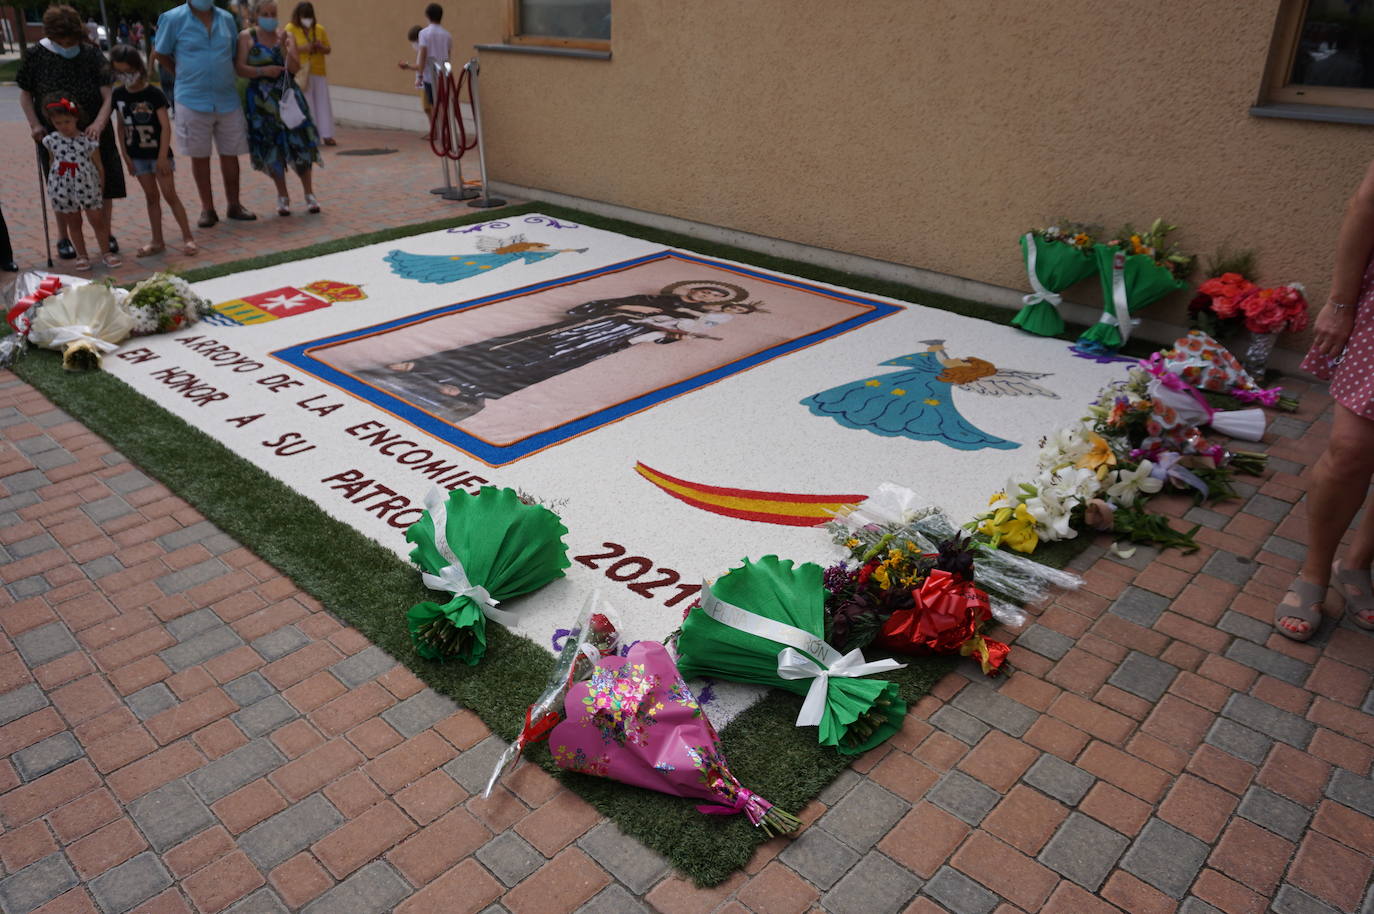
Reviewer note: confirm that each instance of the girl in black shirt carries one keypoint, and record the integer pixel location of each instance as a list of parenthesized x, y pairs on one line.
[(145, 142)]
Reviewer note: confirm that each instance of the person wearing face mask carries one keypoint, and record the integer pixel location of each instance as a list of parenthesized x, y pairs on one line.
[(195, 44), (63, 62), (267, 57), (312, 45)]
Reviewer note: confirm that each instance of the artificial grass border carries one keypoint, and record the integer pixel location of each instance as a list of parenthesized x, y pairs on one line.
[(367, 586)]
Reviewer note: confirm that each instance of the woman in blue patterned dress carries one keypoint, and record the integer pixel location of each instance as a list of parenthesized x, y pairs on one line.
[(267, 58)]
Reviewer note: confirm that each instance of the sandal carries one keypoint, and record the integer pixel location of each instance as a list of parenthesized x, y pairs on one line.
[(283, 206), (148, 250), (82, 265), (1307, 608), (190, 249), (1356, 589), (112, 261)]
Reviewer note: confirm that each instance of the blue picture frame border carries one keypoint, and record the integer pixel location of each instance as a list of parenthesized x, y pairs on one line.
[(299, 357)]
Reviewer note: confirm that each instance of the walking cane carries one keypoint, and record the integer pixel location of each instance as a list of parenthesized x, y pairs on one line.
[(43, 196)]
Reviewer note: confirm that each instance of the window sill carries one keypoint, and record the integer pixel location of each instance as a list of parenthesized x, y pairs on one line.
[(1328, 113), (546, 51)]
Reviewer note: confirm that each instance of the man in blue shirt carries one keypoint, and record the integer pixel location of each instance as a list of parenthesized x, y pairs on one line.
[(196, 44)]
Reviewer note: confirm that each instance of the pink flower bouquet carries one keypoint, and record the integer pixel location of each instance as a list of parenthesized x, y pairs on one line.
[(637, 722)]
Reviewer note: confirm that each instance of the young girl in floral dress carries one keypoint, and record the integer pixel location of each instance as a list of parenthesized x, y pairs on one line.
[(267, 57), (75, 179)]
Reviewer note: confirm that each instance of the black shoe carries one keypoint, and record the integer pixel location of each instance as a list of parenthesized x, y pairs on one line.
[(114, 245), (9, 266), (241, 214), (66, 250)]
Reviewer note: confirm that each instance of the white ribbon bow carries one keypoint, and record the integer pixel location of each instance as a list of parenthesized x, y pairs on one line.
[(452, 577), (82, 333), (1041, 294), (1120, 315), (793, 664)]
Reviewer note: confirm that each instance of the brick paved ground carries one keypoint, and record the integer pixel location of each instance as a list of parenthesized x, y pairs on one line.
[(181, 729), (358, 194)]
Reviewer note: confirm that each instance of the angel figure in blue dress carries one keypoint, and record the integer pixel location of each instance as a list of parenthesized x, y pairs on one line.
[(917, 401), (495, 252)]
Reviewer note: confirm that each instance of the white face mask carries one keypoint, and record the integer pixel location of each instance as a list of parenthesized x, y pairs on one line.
[(129, 79), (308, 23)]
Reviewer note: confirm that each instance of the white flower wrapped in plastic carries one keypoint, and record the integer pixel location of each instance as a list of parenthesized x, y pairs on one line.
[(164, 302), (82, 322)]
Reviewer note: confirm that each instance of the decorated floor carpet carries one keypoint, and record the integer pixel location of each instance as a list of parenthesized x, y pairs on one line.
[(679, 411)]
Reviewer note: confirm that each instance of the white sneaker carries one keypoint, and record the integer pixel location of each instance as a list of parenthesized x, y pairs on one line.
[(311, 203), (283, 206)]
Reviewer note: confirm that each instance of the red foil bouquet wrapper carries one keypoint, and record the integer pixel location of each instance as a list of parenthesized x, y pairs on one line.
[(947, 618)]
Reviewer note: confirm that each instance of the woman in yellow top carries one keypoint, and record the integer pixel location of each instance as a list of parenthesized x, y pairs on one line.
[(312, 43)]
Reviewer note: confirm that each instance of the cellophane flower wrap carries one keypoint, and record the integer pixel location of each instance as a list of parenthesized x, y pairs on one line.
[(1055, 258), (592, 635), (637, 722), (83, 322), (895, 514), (852, 714), (164, 302), (482, 549)]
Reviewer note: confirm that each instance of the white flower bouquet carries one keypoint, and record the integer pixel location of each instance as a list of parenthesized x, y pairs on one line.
[(164, 302)]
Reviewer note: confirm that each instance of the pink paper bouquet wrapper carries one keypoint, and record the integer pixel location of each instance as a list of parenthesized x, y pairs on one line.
[(637, 722)]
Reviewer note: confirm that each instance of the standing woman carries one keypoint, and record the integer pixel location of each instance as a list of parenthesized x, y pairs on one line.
[(267, 57), (312, 44), (62, 61), (1343, 353)]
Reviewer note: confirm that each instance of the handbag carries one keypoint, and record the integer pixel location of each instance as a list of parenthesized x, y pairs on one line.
[(291, 110)]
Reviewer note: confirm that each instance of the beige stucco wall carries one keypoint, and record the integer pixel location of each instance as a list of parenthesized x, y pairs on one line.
[(930, 132), (369, 37)]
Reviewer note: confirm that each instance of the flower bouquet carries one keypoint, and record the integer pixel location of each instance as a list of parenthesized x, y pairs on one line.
[(1177, 403), (83, 322), (31, 289), (164, 302), (1208, 365), (637, 722), (591, 637), (1136, 270), (947, 615), (1230, 301), (897, 536), (763, 623), (1056, 258), (482, 549)]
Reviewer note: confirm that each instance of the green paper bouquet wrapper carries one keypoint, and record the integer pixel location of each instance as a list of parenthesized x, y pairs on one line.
[(1146, 282), (1055, 265), (502, 545), (858, 713)]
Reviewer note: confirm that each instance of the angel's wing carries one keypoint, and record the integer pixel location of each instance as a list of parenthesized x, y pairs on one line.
[(1010, 383), (487, 244)]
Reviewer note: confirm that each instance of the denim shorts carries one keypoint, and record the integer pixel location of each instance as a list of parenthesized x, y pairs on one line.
[(149, 166)]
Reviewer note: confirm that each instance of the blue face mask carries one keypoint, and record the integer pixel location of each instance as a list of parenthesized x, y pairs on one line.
[(68, 53), (202, 5), (267, 23)]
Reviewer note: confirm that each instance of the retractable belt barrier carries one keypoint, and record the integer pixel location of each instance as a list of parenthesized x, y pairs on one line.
[(448, 134)]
